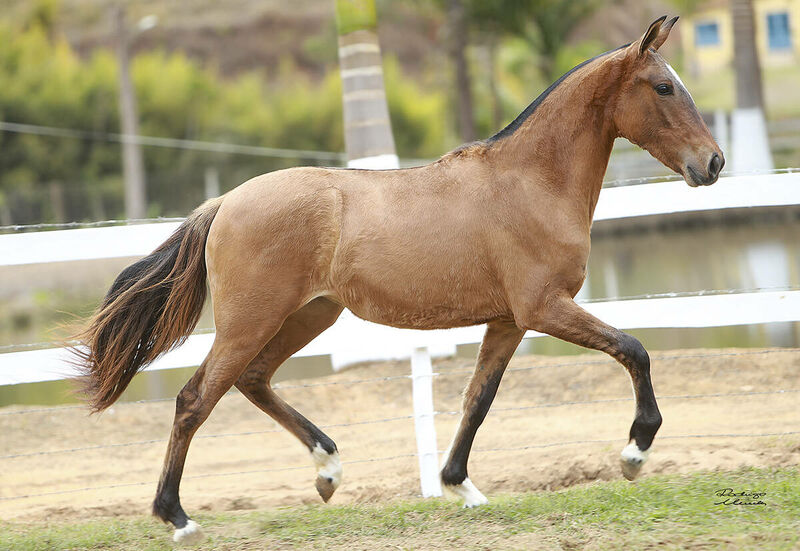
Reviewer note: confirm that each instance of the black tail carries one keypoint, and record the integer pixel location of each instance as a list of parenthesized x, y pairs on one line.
[(152, 307)]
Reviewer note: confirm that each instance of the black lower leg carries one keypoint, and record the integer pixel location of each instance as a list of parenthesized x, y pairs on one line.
[(260, 394), (167, 504), (454, 471), (189, 415), (648, 419)]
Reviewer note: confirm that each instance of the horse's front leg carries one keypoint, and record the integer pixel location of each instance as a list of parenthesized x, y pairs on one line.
[(499, 343), (560, 317)]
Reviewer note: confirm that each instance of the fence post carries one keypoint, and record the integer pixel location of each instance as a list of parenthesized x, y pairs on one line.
[(422, 393)]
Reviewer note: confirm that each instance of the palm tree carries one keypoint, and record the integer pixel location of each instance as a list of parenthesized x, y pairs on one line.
[(750, 144), (748, 69), (367, 128), (457, 41)]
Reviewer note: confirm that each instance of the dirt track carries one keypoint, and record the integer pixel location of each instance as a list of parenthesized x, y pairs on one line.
[(576, 378)]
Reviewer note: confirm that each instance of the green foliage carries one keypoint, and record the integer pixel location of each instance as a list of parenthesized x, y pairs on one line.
[(417, 116), (354, 15), (545, 24), (43, 82), (43, 14)]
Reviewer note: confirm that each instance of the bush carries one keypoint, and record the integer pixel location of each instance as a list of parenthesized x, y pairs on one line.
[(56, 178)]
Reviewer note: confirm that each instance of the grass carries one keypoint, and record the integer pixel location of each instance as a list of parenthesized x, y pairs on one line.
[(664, 512)]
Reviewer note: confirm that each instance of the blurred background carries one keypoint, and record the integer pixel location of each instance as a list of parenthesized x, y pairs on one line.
[(113, 110)]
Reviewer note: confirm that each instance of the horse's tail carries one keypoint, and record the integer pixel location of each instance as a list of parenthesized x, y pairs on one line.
[(152, 307)]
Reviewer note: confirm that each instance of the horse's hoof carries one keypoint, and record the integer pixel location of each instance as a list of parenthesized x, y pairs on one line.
[(325, 487), (329, 471), (190, 534), (467, 491), (631, 460)]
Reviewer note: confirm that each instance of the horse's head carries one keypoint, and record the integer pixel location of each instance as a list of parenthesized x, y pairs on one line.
[(655, 111)]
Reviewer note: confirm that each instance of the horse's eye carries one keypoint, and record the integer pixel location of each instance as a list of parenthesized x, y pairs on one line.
[(664, 89)]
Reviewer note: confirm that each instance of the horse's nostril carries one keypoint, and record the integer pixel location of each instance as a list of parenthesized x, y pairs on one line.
[(714, 166)]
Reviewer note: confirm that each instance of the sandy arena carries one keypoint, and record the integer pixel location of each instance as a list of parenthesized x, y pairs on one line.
[(274, 470)]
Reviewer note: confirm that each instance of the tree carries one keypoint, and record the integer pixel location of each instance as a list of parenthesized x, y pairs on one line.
[(745, 57), (545, 24), (368, 130), (132, 162), (750, 144), (457, 41)]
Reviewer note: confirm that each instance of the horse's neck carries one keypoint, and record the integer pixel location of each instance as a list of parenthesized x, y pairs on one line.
[(564, 146)]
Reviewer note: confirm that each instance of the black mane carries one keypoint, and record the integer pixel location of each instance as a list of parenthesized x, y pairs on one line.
[(522, 117)]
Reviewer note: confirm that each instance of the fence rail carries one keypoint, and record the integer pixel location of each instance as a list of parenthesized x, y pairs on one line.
[(352, 340)]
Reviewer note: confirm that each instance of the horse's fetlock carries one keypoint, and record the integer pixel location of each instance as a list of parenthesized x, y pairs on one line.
[(452, 476)]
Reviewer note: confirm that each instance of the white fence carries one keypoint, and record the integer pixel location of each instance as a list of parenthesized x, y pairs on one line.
[(351, 339)]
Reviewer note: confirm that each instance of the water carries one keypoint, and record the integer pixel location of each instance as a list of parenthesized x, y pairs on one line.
[(744, 250)]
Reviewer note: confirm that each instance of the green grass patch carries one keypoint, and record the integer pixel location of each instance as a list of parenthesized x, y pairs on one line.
[(663, 512)]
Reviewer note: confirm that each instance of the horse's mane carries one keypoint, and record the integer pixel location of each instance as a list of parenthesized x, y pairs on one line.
[(522, 117)]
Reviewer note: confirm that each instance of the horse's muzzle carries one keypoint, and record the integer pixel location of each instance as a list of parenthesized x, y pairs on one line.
[(711, 175)]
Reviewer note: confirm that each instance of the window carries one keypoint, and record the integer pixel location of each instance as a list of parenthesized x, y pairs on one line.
[(706, 34), (778, 37)]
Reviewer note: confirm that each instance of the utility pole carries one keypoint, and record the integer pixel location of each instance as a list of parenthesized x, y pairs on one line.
[(132, 164), (367, 128)]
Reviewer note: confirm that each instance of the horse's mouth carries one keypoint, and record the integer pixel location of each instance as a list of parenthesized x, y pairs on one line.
[(695, 179)]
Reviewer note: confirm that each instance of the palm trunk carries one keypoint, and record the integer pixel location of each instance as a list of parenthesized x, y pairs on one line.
[(748, 70), (750, 145), (367, 128)]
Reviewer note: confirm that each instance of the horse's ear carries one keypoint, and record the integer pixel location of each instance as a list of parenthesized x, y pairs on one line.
[(651, 35), (663, 33)]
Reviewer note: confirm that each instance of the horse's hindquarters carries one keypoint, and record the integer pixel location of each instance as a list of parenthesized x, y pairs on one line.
[(273, 236)]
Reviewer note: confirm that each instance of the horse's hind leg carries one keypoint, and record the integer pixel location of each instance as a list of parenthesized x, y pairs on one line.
[(297, 331), (564, 319), (499, 343), (238, 340)]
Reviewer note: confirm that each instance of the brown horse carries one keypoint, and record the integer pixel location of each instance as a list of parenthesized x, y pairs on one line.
[(495, 232)]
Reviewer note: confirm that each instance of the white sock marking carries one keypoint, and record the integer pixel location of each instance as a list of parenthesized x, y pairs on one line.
[(633, 455), (632, 459), (189, 534), (328, 465), (468, 492)]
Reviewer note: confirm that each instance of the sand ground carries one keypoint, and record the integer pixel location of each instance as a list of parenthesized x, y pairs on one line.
[(240, 459)]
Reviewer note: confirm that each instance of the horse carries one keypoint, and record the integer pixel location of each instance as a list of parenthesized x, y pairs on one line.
[(496, 232)]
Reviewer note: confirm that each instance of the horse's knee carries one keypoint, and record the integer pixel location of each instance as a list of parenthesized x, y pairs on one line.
[(633, 353)]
